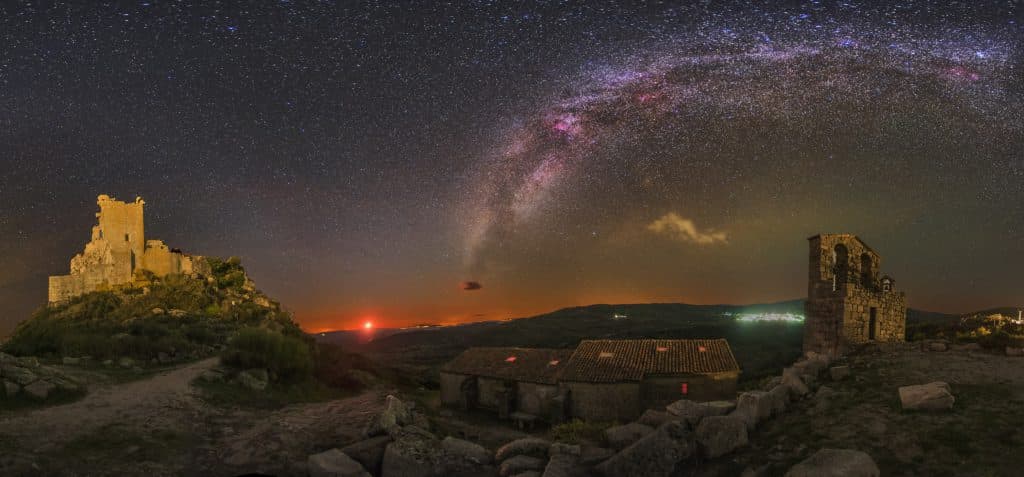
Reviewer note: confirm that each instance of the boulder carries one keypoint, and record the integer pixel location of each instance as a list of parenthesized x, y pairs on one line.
[(157, 311), (11, 389), (519, 464), (529, 446), (6, 358), (68, 360), (655, 455), (177, 313), (334, 463), (1011, 351), (254, 379), (933, 396), (30, 362), (18, 374), (126, 362), (395, 414), (564, 459), (655, 418), (753, 407), (937, 346), (839, 373), (779, 399), (720, 435), (212, 376), (621, 437), (40, 389), (369, 453), (594, 455), (791, 379), (466, 450), (966, 347), (412, 454), (836, 463), (771, 382), (692, 412)]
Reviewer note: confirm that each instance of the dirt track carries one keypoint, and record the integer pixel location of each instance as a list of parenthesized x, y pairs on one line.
[(158, 426)]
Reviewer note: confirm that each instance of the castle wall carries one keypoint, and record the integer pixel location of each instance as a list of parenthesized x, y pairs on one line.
[(118, 249), (844, 292)]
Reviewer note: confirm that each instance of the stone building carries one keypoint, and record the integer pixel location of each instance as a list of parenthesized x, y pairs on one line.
[(601, 380), (505, 380), (118, 252), (848, 301)]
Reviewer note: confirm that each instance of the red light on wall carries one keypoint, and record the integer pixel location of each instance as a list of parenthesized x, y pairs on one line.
[(701, 349), (685, 388), (510, 359)]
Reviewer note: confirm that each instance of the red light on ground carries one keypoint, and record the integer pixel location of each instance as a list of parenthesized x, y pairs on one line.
[(685, 388), (510, 359)]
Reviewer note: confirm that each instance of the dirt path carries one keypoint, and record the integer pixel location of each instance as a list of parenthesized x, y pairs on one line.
[(144, 403), (159, 427)]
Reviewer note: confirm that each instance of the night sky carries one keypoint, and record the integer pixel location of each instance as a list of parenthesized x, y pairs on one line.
[(442, 162)]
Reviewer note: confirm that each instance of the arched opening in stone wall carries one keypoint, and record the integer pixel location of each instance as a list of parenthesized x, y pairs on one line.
[(867, 274), (840, 268)]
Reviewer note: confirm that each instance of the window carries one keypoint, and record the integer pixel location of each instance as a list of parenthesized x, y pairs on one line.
[(125, 237), (840, 267), (684, 388), (867, 273)]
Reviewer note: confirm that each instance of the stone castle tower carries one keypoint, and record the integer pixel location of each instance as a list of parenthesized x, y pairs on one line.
[(117, 251), (847, 302)]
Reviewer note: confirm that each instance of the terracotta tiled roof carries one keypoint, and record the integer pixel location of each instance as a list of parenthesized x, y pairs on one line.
[(532, 365), (607, 361)]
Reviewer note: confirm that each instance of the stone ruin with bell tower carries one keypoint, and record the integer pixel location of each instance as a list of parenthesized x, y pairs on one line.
[(848, 302)]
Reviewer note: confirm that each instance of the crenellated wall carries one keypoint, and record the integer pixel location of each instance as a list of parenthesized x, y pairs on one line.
[(118, 250)]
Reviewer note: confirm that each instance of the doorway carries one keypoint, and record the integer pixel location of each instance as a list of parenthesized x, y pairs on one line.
[(872, 324)]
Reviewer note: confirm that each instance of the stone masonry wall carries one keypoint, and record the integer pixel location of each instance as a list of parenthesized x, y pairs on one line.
[(844, 290)]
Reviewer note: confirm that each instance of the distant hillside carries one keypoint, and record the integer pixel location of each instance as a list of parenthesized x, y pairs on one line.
[(760, 346)]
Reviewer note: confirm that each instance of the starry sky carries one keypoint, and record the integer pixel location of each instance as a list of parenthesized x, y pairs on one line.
[(442, 162)]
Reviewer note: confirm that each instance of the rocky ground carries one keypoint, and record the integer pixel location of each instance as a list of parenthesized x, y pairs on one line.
[(158, 426)]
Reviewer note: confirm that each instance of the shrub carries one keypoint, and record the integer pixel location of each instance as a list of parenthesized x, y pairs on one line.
[(340, 369), (286, 357), (577, 430)]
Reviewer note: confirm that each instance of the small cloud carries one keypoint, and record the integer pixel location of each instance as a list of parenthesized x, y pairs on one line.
[(684, 230), (471, 286)]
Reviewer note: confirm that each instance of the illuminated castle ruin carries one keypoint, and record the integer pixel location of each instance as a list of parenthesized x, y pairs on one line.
[(847, 302), (118, 252)]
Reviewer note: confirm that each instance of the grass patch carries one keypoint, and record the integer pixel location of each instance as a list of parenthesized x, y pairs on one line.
[(23, 402), (578, 430), (118, 442)]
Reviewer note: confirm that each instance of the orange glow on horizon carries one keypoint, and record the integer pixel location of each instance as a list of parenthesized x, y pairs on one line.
[(368, 325)]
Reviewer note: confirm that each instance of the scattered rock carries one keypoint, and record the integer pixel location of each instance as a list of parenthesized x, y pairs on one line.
[(369, 453), (529, 473), (108, 362), (654, 455), (720, 435), (937, 346), (836, 463), (212, 376), (692, 412), (254, 379), (655, 418), (519, 464), (67, 360), (157, 311), (412, 454), (30, 362), (529, 446), (18, 374), (564, 459), (164, 358), (927, 397), (334, 463), (839, 373), (40, 389), (779, 399), (1011, 351), (11, 389), (594, 455), (177, 313), (771, 383), (394, 415), (966, 347), (621, 437), (753, 407), (466, 450), (126, 362), (791, 379)]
